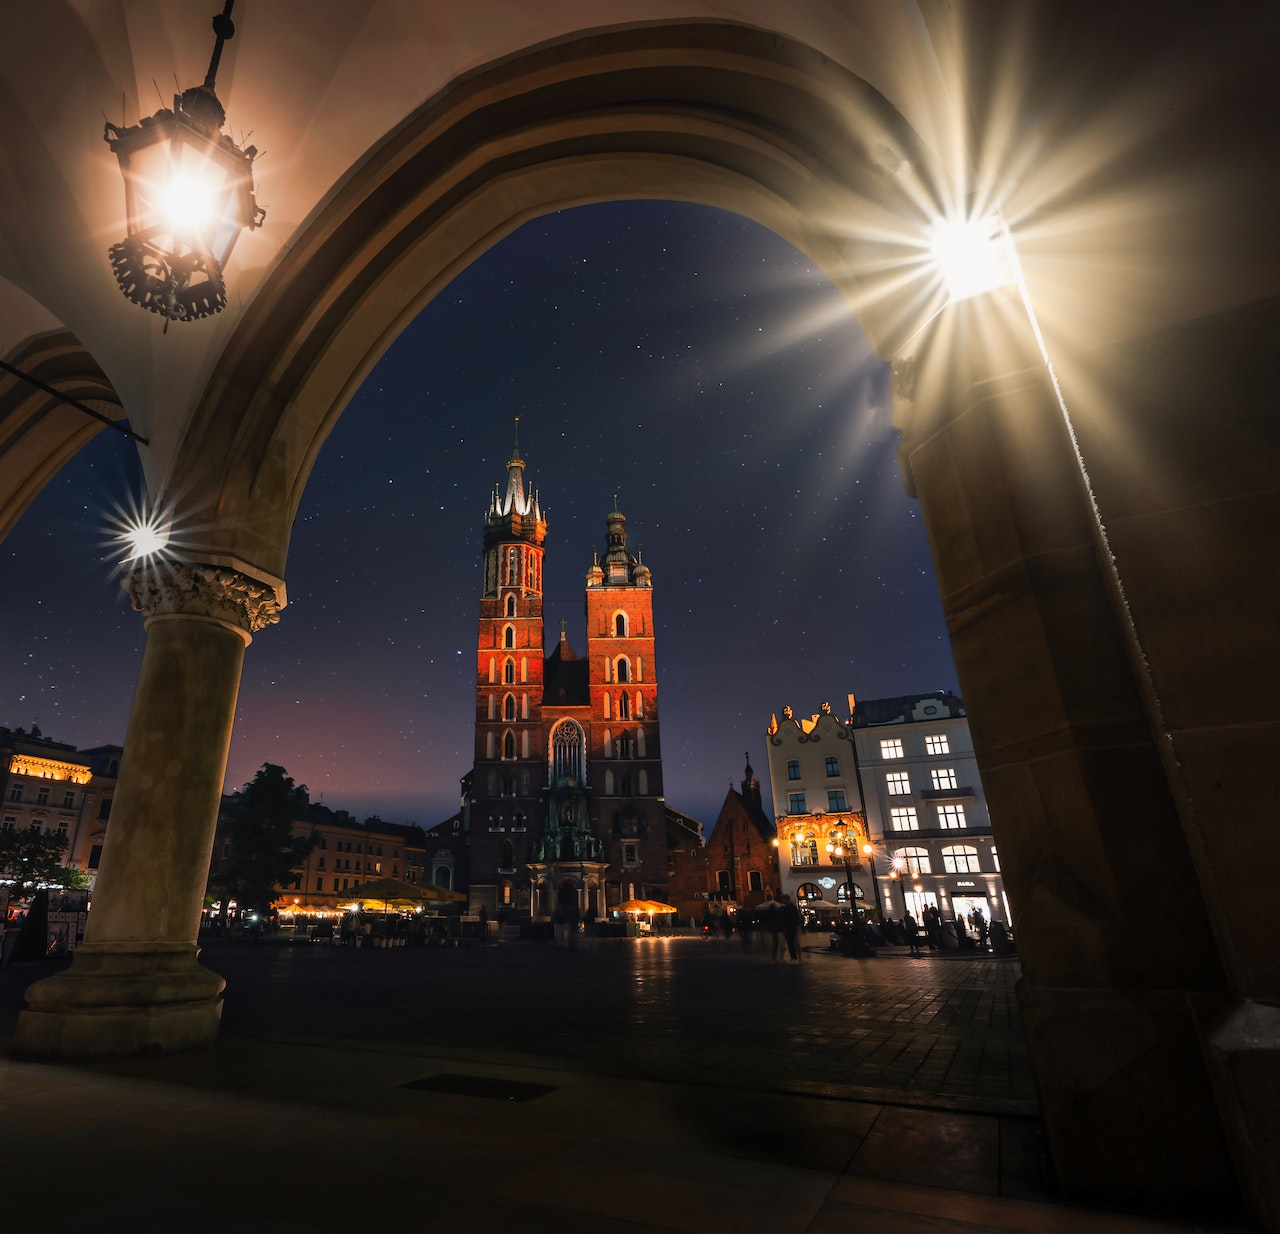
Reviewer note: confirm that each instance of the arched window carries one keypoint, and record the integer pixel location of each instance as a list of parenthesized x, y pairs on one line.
[(509, 707), (644, 782), (608, 743), (493, 671), (624, 706), (508, 856), (624, 669), (914, 860), (524, 668), (625, 747), (567, 752), (608, 706), (608, 783), (960, 859), (624, 785), (508, 744), (511, 606), (509, 637), (509, 672), (640, 743), (620, 625)]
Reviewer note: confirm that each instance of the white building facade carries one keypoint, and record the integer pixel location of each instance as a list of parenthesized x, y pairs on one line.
[(893, 790)]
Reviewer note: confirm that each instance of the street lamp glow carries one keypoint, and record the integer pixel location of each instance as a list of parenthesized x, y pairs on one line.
[(973, 256), (144, 538)]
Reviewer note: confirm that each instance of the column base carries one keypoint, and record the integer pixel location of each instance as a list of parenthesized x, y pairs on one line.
[(1126, 1096), (1245, 1051), (122, 1000)]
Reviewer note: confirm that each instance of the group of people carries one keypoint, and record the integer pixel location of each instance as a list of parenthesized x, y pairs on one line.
[(774, 926)]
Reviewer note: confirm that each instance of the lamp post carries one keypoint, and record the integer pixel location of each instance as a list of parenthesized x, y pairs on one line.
[(188, 193), (838, 849), (870, 854)]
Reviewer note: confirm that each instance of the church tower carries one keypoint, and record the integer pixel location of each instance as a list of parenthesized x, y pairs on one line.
[(507, 776)]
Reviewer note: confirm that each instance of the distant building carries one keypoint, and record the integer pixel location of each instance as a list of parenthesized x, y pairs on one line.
[(817, 803), (741, 855), (899, 776), (926, 805), (60, 790), (347, 854)]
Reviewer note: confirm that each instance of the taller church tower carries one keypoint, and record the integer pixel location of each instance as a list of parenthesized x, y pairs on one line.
[(566, 814)]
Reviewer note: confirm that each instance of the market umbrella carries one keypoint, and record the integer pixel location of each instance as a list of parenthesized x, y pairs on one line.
[(632, 906), (395, 891), (657, 906)]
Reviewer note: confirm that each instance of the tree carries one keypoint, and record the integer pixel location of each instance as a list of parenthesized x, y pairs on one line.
[(261, 851), (30, 857)]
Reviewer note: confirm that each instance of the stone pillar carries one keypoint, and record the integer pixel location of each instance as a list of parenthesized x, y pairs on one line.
[(135, 986), (1123, 978)]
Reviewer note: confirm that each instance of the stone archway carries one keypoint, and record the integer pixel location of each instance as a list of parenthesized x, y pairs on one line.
[(1099, 747)]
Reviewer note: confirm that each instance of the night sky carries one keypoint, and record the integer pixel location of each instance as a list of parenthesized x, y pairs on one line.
[(683, 358)]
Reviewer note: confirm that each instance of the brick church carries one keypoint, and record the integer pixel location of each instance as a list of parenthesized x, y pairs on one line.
[(565, 804)]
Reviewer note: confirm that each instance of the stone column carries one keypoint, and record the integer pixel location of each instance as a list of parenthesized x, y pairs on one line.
[(135, 986), (1122, 972)]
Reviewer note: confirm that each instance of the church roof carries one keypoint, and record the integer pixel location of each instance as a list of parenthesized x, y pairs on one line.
[(565, 678)]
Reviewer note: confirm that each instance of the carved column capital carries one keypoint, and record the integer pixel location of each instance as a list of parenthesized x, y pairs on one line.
[(161, 588)]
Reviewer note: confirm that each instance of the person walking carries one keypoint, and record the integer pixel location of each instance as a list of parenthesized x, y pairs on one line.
[(789, 924), (912, 930)]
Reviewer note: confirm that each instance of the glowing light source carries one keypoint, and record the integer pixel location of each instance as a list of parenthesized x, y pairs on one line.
[(144, 538), (189, 193), (973, 255)]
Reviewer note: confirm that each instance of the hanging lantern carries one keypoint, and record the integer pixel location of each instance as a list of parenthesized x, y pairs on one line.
[(188, 192)]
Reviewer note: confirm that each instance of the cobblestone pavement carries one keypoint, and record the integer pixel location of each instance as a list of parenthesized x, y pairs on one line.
[(941, 1031)]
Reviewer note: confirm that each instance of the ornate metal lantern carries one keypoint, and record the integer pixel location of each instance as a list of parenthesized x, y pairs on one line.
[(188, 191)]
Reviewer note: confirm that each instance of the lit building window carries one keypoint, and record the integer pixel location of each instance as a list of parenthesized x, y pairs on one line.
[(835, 799), (898, 783), (903, 818), (891, 747), (951, 817), (793, 769), (914, 860), (833, 765), (804, 851), (960, 859), (943, 777), (795, 803), (937, 744)]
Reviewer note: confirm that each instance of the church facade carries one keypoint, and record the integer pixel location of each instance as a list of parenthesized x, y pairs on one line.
[(566, 815)]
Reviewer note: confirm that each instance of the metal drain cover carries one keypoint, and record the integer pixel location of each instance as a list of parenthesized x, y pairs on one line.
[(481, 1086)]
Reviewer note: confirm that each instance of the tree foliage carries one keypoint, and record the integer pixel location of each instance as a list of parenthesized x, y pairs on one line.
[(261, 849), (30, 857)]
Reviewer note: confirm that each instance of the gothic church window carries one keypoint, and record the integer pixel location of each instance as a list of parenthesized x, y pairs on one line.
[(511, 606), (620, 625), (509, 672), (509, 707), (509, 637), (567, 752), (508, 744), (624, 669)]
